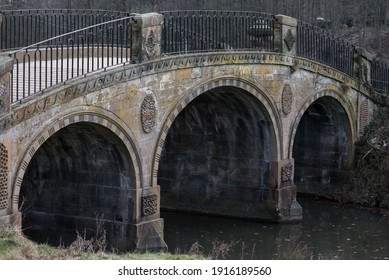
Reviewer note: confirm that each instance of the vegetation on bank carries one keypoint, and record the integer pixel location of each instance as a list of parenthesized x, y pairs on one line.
[(15, 246), (369, 185)]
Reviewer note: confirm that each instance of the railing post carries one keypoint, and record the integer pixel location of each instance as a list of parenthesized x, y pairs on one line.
[(362, 65), (146, 37), (6, 66), (285, 35)]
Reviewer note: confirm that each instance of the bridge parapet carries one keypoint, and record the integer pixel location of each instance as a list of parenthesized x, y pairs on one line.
[(150, 36), (54, 61)]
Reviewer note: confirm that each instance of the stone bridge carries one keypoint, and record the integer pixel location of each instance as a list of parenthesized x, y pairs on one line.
[(233, 133)]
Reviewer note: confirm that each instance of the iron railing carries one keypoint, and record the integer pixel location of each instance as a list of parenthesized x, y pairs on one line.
[(22, 28), (317, 44), (380, 76), (56, 60), (196, 31), (103, 39)]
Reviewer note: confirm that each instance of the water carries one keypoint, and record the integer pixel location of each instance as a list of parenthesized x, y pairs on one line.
[(328, 231)]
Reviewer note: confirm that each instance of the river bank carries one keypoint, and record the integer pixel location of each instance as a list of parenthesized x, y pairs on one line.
[(369, 185), (15, 246)]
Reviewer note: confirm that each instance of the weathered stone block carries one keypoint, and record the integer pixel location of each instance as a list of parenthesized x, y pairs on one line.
[(146, 36), (6, 65)]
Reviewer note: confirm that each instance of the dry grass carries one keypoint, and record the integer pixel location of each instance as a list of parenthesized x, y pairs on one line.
[(15, 246)]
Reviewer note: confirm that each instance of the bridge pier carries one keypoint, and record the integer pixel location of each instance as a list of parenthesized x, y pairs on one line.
[(148, 231), (286, 205)]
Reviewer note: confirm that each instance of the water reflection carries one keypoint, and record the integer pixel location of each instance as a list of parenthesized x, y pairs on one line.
[(328, 230)]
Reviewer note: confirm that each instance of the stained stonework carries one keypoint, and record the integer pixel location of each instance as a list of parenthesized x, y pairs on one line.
[(287, 99), (148, 114), (135, 71), (149, 205), (146, 36), (363, 115), (4, 96), (3, 177), (287, 173)]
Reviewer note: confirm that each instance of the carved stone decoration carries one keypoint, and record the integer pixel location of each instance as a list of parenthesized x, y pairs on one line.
[(150, 43), (3, 177), (287, 99), (149, 205), (286, 173), (363, 115), (148, 114), (289, 40)]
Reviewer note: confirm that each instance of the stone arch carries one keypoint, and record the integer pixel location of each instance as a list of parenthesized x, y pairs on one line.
[(47, 132), (346, 105), (321, 142), (111, 146), (247, 86), (218, 145)]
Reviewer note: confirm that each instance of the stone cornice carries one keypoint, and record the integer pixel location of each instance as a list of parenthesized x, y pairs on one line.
[(82, 86)]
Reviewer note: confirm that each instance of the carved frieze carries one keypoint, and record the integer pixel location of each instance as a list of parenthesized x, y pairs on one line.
[(148, 114), (3, 177), (149, 205), (287, 99)]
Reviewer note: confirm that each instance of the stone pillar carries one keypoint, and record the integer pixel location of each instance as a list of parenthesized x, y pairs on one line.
[(362, 65), (146, 37), (6, 65), (285, 34), (148, 230), (282, 174)]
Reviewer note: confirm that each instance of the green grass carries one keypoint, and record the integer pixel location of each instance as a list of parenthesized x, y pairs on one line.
[(15, 246)]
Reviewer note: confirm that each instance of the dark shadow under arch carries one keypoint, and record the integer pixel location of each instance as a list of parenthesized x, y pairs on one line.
[(81, 173), (323, 147), (217, 154)]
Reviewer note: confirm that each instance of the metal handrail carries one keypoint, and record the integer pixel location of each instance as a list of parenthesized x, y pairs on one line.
[(318, 44), (380, 76), (21, 28), (197, 31), (70, 55)]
